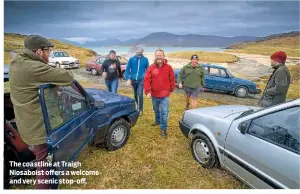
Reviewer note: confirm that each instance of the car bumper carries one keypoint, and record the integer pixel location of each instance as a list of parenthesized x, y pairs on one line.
[(70, 66), (257, 91), (184, 129), (133, 117)]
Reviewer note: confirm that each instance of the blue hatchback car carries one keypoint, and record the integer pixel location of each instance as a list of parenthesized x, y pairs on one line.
[(73, 117), (220, 79)]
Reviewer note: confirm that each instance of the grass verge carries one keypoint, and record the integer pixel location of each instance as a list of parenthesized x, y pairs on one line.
[(148, 161)]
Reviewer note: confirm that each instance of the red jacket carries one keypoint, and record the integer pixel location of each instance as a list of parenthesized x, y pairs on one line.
[(159, 81)]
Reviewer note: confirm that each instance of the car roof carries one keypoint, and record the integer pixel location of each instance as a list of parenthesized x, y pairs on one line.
[(212, 65)]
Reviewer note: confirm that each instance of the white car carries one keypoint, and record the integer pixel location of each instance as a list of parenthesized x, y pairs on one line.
[(261, 146), (63, 60)]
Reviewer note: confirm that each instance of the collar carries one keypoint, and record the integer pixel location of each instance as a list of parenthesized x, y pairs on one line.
[(28, 53), (190, 65)]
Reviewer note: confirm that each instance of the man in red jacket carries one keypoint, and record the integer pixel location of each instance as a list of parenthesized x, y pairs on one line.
[(159, 82)]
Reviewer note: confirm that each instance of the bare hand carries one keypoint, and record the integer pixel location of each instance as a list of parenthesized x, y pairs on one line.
[(104, 74), (128, 82), (180, 85), (149, 95)]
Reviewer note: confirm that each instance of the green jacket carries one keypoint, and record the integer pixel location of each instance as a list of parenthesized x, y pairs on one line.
[(26, 73), (192, 77), (277, 87)]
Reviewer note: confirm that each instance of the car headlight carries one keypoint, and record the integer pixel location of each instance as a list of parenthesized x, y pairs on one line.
[(77, 61)]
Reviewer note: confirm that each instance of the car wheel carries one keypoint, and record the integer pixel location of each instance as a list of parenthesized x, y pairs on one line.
[(57, 64), (241, 92), (203, 151), (94, 72), (117, 135)]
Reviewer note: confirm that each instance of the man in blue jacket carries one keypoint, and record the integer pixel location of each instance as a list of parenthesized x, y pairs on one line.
[(135, 72)]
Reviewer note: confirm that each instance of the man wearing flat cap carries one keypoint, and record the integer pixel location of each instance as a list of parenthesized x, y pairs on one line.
[(279, 82), (191, 79), (28, 70)]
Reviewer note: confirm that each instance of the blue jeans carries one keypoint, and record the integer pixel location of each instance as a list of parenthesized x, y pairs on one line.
[(161, 110), (112, 85), (138, 87)]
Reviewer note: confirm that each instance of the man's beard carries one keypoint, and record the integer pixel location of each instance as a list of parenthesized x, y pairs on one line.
[(45, 57), (158, 61)]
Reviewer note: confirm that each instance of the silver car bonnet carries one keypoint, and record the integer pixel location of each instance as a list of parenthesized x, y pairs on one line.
[(224, 111)]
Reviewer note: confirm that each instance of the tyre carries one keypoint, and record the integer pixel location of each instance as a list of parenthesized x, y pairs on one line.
[(241, 92), (94, 71), (203, 151), (57, 64), (117, 135)]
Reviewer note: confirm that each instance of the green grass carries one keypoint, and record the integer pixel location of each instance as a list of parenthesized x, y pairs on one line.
[(291, 52), (210, 57), (290, 45), (16, 41), (150, 162)]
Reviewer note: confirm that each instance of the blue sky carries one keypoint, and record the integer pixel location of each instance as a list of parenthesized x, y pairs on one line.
[(97, 20)]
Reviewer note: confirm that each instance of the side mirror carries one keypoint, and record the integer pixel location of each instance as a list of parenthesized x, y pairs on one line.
[(99, 104), (243, 127)]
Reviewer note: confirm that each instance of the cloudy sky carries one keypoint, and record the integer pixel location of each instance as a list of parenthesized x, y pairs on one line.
[(87, 21)]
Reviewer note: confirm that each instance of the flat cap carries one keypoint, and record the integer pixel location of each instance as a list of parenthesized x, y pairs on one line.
[(34, 42)]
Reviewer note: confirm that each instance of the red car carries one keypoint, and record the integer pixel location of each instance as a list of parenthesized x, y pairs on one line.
[(94, 66)]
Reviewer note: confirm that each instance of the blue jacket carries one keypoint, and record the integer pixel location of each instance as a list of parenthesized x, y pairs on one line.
[(136, 68)]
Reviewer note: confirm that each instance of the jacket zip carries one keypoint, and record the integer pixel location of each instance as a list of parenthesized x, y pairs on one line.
[(138, 69)]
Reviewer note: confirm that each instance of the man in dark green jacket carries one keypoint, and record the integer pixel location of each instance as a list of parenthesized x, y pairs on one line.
[(279, 82), (191, 78), (28, 70)]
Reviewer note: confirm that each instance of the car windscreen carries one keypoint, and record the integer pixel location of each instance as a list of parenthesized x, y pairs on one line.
[(61, 54), (251, 111)]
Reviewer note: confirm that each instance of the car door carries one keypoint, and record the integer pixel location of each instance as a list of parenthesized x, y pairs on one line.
[(68, 119), (219, 79), (267, 154), (206, 77)]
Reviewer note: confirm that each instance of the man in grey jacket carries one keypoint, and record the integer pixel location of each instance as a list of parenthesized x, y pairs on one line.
[(279, 82)]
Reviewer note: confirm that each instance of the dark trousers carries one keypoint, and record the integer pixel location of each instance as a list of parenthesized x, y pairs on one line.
[(41, 153), (138, 87)]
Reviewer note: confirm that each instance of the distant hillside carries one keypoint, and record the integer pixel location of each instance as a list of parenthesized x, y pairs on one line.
[(190, 40), (16, 41), (160, 39), (288, 42)]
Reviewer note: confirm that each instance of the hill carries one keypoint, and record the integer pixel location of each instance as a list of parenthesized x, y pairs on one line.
[(160, 39), (190, 40), (16, 41), (288, 42)]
